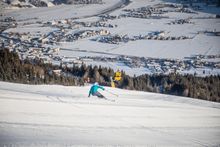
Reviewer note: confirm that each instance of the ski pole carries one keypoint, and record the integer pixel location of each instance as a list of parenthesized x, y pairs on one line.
[(111, 93)]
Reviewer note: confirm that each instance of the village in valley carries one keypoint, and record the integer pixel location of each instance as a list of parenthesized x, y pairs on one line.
[(47, 46)]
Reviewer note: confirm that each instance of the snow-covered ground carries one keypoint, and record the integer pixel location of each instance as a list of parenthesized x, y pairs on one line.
[(63, 11), (52, 115)]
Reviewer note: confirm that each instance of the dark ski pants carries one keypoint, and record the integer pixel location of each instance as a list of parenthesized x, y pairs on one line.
[(98, 94)]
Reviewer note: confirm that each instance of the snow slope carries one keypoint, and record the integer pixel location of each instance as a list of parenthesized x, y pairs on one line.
[(51, 115)]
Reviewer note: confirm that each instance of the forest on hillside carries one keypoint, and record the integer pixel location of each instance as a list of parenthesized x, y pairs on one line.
[(12, 69)]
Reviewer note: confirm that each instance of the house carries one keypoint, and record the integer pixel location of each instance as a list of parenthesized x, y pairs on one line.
[(217, 65), (65, 21), (56, 50), (57, 72), (77, 62), (45, 40), (104, 32), (161, 33), (54, 22)]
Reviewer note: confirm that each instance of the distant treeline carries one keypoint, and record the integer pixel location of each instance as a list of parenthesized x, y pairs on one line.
[(13, 69)]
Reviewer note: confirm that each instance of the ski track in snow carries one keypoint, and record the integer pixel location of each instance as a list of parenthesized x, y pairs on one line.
[(42, 116)]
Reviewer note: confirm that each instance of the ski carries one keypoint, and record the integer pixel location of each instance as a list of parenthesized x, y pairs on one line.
[(111, 100)]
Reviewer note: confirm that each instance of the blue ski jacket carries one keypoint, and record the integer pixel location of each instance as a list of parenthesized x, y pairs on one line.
[(94, 89)]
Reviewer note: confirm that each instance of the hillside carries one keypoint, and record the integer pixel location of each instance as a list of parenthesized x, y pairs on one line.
[(51, 115)]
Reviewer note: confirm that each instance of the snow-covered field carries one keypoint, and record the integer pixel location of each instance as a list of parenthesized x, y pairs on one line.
[(51, 115), (63, 11)]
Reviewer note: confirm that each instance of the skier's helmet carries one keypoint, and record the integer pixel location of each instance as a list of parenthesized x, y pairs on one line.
[(96, 83)]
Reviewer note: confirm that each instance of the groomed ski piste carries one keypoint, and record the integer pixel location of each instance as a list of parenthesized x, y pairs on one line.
[(54, 116)]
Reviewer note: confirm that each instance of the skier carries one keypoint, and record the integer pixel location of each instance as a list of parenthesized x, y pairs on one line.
[(94, 90)]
